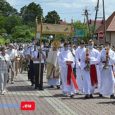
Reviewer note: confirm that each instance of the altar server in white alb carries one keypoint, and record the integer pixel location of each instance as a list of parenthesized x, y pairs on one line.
[(114, 70), (107, 73), (99, 48), (53, 72), (89, 59), (79, 77), (66, 61)]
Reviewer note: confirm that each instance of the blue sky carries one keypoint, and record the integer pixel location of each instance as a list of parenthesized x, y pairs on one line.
[(68, 9)]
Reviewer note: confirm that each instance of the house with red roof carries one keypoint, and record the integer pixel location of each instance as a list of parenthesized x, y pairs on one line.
[(110, 31)]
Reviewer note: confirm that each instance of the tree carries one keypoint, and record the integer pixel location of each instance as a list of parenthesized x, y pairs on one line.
[(52, 17), (30, 12), (2, 22), (2, 40), (11, 26), (22, 34), (6, 9), (22, 10), (11, 22), (79, 26)]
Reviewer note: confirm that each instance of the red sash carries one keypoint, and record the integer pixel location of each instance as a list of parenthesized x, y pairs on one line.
[(70, 76), (93, 75)]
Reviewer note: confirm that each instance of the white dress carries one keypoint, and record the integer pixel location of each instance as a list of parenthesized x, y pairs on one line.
[(63, 57), (78, 68), (53, 59), (107, 77), (94, 60)]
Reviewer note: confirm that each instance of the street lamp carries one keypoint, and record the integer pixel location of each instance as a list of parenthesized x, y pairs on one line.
[(50, 37)]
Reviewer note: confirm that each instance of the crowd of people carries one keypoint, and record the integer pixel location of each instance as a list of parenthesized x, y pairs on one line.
[(72, 68), (11, 63), (82, 69)]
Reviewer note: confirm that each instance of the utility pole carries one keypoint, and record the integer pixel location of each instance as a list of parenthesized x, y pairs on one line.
[(84, 20), (97, 9), (86, 14), (104, 20), (103, 17), (87, 18)]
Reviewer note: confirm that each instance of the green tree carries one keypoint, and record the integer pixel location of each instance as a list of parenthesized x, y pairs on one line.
[(52, 17), (30, 12), (22, 10), (2, 40), (11, 22), (6, 9), (2, 25), (80, 25), (2, 21), (22, 33), (83, 27)]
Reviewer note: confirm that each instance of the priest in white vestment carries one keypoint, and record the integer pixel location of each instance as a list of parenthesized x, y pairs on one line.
[(53, 73)]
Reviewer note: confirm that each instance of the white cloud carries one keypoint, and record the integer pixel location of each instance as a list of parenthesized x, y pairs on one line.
[(94, 1), (12, 2), (68, 8), (65, 5)]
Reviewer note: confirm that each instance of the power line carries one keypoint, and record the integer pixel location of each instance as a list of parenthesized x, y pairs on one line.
[(102, 17)]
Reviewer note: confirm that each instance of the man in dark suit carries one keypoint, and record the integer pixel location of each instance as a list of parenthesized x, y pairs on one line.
[(38, 57)]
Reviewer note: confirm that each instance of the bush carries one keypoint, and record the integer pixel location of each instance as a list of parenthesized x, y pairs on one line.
[(2, 40)]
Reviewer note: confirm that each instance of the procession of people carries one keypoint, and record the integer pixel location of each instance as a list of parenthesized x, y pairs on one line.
[(75, 69)]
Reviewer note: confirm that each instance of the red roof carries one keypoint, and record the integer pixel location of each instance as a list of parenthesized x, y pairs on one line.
[(98, 23), (111, 27), (110, 24)]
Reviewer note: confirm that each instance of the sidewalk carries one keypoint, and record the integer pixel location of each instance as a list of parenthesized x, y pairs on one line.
[(50, 101)]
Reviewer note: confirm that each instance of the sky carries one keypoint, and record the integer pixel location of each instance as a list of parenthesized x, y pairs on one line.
[(69, 9)]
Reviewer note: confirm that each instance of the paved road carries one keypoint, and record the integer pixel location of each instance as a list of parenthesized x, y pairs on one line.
[(50, 101)]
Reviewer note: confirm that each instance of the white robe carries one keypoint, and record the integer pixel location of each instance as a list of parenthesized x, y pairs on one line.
[(53, 59), (94, 60), (63, 57), (98, 76), (78, 68), (107, 77), (114, 72)]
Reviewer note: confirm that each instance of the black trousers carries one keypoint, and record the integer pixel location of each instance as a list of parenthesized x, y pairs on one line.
[(38, 71), (31, 72)]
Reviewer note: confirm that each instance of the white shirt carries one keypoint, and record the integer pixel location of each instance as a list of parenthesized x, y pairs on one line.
[(111, 56), (94, 56), (12, 53), (21, 53), (78, 54), (6, 57), (35, 54), (66, 56)]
